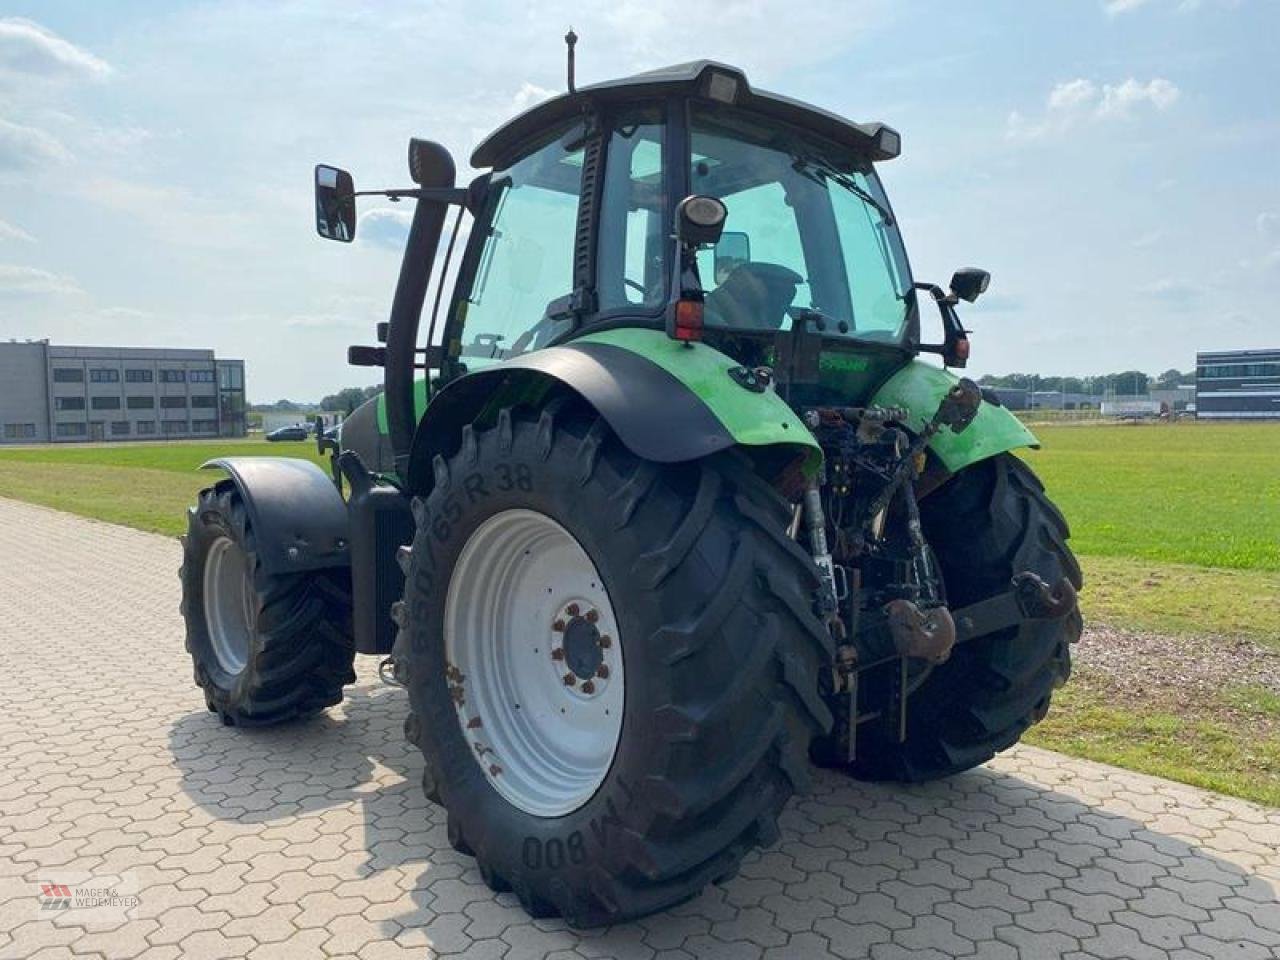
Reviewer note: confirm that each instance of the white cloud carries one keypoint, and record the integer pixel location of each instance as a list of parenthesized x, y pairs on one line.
[(23, 147), (1268, 224), (1072, 94), (385, 227), (28, 50), (1114, 7), (10, 232), (175, 214), (1117, 101), (1177, 293), (20, 281), (529, 95), (1075, 102)]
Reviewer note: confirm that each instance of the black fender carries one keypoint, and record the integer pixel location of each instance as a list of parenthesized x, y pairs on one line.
[(298, 516), (655, 416)]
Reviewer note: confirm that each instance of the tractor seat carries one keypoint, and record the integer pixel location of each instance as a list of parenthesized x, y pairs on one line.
[(755, 296)]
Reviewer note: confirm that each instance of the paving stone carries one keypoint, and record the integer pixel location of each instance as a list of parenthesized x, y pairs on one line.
[(314, 839)]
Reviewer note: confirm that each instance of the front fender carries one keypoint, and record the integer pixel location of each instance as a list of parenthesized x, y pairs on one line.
[(667, 402), (919, 388), (298, 517)]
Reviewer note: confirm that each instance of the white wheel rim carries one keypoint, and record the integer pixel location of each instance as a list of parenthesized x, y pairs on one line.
[(228, 604), (526, 610)]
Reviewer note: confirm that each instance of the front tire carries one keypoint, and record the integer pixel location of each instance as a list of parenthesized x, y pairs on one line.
[(264, 648), (707, 607), (987, 523)]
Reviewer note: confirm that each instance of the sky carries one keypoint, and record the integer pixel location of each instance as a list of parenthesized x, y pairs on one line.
[(1115, 164)]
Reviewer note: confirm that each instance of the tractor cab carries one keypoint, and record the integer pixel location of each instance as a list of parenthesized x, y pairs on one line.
[(579, 230), (679, 201)]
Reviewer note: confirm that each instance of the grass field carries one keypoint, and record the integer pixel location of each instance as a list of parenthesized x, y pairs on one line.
[(1178, 530), (143, 485), (1203, 494), (1177, 527)]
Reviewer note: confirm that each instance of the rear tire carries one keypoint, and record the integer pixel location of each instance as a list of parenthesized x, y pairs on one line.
[(987, 523), (721, 654), (265, 648)]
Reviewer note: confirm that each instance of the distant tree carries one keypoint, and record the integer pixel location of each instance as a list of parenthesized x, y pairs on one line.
[(1176, 378), (1127, 384), (344, 401), (348, 398)]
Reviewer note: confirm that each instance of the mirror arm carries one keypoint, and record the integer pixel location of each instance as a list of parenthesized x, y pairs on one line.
[(451, 195), (939, 295), (954, 348)]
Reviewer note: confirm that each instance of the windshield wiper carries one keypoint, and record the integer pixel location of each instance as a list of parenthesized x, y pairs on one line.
[(807, 165)]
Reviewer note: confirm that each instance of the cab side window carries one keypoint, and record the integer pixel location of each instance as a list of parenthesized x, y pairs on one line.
[(525, 267), (630, 263)]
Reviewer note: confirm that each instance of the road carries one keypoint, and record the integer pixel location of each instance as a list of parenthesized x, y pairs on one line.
[(315, 839)]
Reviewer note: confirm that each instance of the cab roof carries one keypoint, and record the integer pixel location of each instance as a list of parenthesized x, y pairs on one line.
[(708, 79)]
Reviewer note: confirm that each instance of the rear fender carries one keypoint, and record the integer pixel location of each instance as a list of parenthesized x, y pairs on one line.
[(919, 388), (298, 517), (667, 402)]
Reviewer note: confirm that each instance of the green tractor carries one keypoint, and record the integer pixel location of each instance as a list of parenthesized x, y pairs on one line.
[(660, 510)]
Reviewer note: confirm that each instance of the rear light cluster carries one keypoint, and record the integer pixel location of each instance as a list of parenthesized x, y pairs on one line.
[(685, 323)]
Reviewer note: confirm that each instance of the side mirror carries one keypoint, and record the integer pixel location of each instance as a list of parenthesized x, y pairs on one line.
[(732, 251), (335, 204), (970, 283), (700, 220)]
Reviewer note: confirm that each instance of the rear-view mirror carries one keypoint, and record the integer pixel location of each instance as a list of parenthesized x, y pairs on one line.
[(969, 283), (335, 204)]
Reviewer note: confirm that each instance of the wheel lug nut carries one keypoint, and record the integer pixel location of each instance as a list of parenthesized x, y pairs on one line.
[(602, 671), (558, 626), (588, 687), (570, 679), (571, 609), (606, 642), (593, 615), (557, 654)]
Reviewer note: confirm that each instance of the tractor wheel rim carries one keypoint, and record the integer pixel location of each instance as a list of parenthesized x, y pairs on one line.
[(228, 604), (527, 618)]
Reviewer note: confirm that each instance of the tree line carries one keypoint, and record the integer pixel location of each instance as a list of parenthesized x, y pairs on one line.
[(1127, 383)]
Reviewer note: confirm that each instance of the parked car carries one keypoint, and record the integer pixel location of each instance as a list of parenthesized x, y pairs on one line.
[(295, 432)]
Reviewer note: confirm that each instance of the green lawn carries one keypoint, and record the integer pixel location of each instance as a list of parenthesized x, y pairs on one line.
[(1177, 527), (1178, 530), (1202, 494), (1231, 746), (143, 485)]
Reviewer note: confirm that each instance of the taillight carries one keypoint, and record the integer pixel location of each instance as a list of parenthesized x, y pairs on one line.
[(686, 322)]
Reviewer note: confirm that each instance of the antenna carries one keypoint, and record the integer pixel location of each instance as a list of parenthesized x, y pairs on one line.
[(570, 40)]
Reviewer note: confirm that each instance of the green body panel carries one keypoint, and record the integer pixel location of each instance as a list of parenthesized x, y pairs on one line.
[(760, 419), (752, 419), (420, 396), (920, 387)]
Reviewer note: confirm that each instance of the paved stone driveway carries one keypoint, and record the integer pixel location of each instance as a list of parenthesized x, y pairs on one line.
[(315, 840)]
